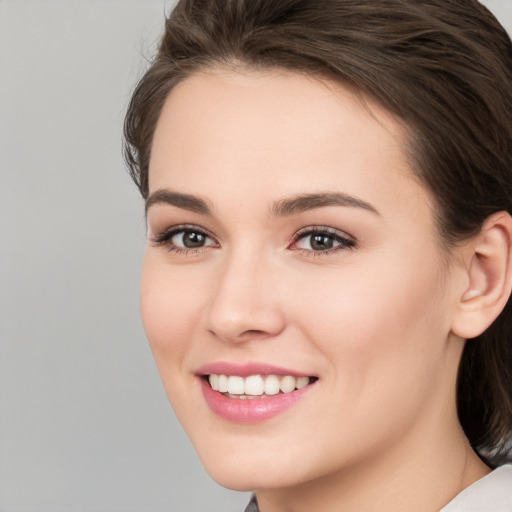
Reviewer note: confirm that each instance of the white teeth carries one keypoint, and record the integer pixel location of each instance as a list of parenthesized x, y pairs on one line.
[(214, 382), (236, 385), (302, 382), (223, 384), (287, 384), (256, 385), (271, 385)]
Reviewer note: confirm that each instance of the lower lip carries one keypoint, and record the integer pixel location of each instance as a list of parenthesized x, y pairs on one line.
[(250, 410)]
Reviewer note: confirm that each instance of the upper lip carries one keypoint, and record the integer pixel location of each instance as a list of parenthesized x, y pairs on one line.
[(246, 369)]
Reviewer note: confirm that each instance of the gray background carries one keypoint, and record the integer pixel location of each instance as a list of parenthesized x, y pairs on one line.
[(84, 423)]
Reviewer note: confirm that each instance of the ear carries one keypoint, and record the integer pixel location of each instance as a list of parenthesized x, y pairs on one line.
[(488, 277)]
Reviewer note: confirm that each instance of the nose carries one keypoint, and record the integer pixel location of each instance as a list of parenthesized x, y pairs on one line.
[(245, 303)]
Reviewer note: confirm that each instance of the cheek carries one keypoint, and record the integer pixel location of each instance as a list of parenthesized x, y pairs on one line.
[(382, 339), (376, 320), (168, 308)]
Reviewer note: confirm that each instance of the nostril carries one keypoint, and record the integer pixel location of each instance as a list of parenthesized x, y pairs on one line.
[(249, 334), (253, 332)]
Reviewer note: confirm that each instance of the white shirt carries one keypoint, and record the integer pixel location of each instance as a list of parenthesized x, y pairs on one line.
[(492, 493)]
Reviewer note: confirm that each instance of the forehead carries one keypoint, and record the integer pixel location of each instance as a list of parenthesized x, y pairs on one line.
[(280, 131)]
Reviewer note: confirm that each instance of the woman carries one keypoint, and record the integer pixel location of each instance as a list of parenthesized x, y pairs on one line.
[(328, 192)]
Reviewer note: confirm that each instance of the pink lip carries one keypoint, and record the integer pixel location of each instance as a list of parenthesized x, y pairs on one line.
[(244, 370), (250, 410)]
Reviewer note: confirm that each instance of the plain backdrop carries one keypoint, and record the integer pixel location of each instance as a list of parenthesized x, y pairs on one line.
[(84, 423)]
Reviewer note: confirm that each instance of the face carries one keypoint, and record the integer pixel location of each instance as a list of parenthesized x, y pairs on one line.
[(294, 291)]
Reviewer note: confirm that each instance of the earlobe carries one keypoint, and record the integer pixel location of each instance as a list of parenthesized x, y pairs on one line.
[(489, 277)]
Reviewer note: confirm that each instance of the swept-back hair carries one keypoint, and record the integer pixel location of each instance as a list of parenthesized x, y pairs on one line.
[(443, 67)]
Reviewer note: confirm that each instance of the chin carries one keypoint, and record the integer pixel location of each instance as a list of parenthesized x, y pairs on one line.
[(251, 464), (234, 482), (239, 469), (244, 477)]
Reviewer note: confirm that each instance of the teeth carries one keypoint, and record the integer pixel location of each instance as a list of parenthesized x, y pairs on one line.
[(223, 384), (236, 385), (287, 384), (256, 385), (214, 382), (271, 385), (302, 382)]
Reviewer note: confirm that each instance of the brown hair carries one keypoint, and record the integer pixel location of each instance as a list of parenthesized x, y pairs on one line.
[(444, 67)]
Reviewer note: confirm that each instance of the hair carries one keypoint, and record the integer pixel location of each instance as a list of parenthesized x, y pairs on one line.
[(442, 67)]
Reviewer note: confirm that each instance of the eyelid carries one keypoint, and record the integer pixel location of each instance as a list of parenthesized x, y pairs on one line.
[(165, 235), (346, 241)]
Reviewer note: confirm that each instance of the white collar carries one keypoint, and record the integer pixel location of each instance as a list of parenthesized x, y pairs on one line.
[(492, 493)]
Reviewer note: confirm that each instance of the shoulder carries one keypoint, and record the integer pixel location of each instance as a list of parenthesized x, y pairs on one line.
[(493, 492)]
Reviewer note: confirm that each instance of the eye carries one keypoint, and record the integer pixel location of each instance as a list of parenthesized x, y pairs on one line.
[(322, 240), (190, 239), (183, 239)]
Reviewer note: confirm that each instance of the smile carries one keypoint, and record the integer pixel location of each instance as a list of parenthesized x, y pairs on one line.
[(247, 396), (256, 386)]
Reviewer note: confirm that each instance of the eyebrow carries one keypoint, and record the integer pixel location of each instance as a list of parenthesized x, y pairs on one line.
[(281, 208), (304, 202), (185, 201)]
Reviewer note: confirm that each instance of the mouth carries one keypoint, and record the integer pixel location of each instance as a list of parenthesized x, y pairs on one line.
[(256, 386), (252, 393)]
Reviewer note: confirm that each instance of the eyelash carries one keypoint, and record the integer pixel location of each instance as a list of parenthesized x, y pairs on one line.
[(343, 240), (164, 239)]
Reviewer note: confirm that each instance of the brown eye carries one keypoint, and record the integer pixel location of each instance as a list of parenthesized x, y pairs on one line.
[(192, 239), (322, 242), (189, 239), (319, 241), (181, 239)]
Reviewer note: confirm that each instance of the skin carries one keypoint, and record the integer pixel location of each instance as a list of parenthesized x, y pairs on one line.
[(378, 430)]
